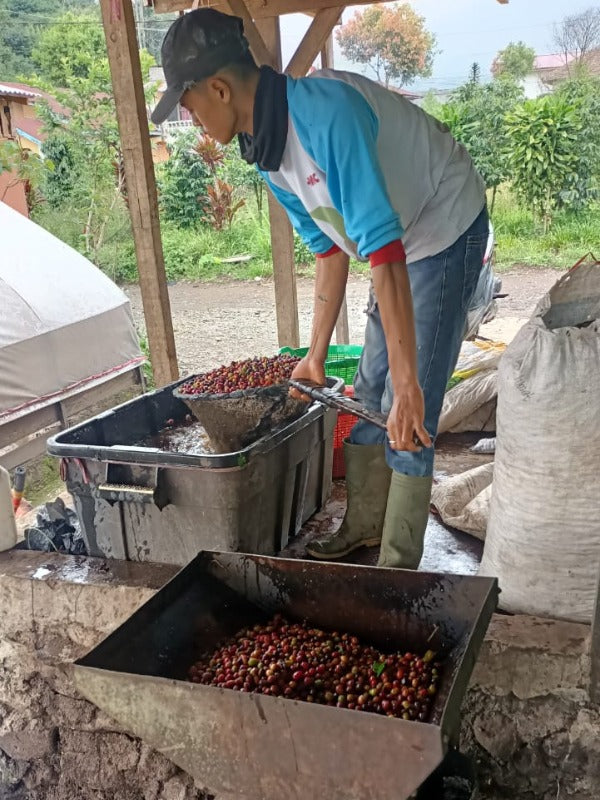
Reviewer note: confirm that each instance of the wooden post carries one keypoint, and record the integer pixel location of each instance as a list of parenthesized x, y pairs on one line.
[(595, 651), (327, 53), (123, 56), (282, 235), (342, 329)]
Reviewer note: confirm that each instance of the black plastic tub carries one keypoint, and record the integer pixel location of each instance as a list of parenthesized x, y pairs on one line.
[(142, 503)]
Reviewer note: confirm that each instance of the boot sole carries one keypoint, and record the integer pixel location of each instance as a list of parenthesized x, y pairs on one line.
[(341, 553)]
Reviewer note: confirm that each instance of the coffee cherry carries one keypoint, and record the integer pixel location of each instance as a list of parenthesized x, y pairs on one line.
[(254, 373), (300, 662)]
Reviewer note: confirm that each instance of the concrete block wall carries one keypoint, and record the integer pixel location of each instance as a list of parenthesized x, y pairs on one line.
[(527, 718), (54, 745)]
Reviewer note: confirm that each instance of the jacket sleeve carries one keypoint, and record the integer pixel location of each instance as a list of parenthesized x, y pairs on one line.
[(301, 220), (338, 129)]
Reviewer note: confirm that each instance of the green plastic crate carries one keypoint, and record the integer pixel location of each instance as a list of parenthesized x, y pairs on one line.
[(342, 359)]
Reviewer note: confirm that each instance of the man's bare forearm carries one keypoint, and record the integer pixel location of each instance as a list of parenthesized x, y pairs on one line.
[(330, 285), (392, 290)]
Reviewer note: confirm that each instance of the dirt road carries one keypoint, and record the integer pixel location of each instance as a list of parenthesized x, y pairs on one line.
[(217, 322)]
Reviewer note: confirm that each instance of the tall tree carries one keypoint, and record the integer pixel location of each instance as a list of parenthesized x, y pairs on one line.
[(73, 63), (71, 49), (544, 135), (578, 34), (21, 24), (475, 73), (476, 116), (515, 61), (392, 40), (155, 27)]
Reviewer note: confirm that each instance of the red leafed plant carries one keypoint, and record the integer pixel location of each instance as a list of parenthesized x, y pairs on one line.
[(210, 152), (220, 206)]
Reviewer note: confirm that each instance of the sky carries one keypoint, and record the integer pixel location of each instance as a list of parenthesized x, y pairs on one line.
[(466, 31)]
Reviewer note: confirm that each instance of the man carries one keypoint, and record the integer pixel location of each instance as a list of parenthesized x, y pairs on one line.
[(361, 173)]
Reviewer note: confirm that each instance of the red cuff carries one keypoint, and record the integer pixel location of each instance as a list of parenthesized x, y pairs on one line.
[(331, 252), (388, 254)]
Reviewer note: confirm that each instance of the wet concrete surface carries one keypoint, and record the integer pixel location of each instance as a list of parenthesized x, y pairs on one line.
[(83, 569), (446, 549)]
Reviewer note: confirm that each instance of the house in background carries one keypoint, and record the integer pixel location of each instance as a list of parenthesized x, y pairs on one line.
[(14, 109), (19, 123), (550, 70)]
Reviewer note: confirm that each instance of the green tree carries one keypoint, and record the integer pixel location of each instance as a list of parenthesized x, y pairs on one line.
[(183, 181), (59, 183), (392, 40), (583, 183), (545, 136), (91, 178), (243, 176), (475, 73), (152, 30), (70, 49), (476, 116), (21, 24), (515, 61)]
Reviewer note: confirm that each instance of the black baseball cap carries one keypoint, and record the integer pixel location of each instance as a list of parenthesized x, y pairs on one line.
[(197, 45)]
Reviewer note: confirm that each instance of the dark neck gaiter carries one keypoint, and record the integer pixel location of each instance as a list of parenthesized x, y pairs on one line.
[(266, 147)]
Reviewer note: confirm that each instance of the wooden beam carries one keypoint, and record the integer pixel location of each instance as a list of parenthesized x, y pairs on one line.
[(260, 51), (284, 275), (314, 40), (124, 60), (327, 53), (259, 9), (282, 235), (595, 651)]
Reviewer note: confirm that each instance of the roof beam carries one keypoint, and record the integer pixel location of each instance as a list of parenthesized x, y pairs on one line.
[(314, 40), (259, 9), (259, 49)]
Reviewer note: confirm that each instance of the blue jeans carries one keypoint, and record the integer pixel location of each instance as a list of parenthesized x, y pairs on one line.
[(442, 287)]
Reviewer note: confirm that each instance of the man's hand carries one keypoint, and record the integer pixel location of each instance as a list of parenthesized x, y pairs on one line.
[(407, 415), (405, 420), (309, 369)]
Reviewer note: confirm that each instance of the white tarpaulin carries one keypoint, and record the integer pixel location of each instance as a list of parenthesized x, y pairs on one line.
[(62, 321)]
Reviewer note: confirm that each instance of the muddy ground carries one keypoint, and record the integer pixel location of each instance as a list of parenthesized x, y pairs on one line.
[(217, 322)]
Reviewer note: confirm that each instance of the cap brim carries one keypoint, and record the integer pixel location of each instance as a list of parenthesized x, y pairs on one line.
[(166, 105)]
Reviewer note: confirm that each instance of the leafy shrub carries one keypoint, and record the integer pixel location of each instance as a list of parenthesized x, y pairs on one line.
[(183, 181), (544, 136)]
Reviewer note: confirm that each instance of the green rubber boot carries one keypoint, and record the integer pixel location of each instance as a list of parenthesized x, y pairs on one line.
[(405, 521), (367, 485)]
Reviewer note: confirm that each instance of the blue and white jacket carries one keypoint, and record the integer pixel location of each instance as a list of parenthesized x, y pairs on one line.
[(363, 167)]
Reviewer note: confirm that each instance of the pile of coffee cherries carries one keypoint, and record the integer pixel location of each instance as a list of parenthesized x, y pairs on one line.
[(304, 663), (254, 373)]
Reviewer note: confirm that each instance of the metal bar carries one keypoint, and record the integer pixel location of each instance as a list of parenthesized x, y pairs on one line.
[(333, 399)]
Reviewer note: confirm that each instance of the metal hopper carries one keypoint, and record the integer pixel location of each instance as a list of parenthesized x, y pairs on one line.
[(255, 747)]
